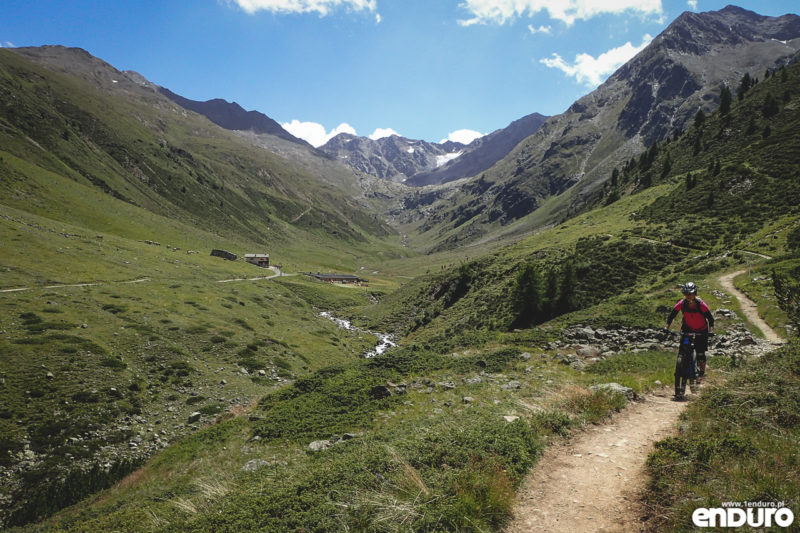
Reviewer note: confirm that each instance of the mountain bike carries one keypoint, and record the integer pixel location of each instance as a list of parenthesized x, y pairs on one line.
[(686, 364)]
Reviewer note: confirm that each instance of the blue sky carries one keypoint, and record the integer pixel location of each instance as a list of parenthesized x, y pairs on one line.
[(426, 69)]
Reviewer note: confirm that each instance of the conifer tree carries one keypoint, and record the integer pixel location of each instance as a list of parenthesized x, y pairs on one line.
[(567, 298), (725, 99), (745, 85), (699, 119), (527, 295), (770, 107)]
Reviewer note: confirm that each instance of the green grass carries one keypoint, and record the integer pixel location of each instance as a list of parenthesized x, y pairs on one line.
[(117, 350), (738, 443), (422, 460)]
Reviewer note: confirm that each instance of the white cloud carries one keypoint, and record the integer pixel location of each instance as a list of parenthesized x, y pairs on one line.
[(692, 4), (541, 29), (314, 133), (462, 136), (380, 133), (591, 71), (323, 7), (7, 44), (567, 11), (378, 18)]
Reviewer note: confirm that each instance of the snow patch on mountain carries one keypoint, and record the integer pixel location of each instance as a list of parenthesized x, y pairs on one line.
[(445, 158)]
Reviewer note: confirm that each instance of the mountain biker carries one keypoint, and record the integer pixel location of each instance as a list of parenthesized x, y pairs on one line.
[(697, 320)]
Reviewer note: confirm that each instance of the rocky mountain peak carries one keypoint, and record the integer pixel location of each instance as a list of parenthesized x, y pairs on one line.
[(654, 95)]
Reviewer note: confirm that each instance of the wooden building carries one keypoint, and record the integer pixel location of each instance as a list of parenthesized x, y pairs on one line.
[(337, 278), (261, 260), (224, 254)]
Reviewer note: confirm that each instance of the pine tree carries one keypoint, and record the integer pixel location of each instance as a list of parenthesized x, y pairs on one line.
[(699, 119), (725, 99), (666, 168), (745, 85), (527, 296), (551, 293), (690, 181), (697, 146), (567, 298), (770, 107), (751, 126)]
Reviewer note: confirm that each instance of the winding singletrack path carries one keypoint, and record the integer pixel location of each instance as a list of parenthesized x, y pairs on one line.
[(749, 307), (594, 482)]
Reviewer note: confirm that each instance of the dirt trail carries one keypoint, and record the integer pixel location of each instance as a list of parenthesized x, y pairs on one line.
[(593, 483), (749, 307)]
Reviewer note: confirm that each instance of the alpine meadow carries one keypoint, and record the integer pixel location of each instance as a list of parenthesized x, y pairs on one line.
[(434, 329)]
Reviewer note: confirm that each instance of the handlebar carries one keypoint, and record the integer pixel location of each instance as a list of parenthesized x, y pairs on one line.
[(689, 333)]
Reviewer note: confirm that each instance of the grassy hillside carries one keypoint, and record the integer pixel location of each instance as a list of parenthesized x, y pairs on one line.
[(116, 322), (734, 173), (134, 145), (109, 344), (650, 224)]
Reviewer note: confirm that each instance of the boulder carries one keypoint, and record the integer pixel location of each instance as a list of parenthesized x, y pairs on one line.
[(319, 446), (467, 399), (578, 365), (194, 417), (254, 464), (511, 385), (747, 341), (379, 391), (628, 392), (587, 351), (397, 388)]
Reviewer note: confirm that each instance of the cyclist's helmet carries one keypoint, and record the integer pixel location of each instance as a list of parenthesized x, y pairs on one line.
[(690, 288)]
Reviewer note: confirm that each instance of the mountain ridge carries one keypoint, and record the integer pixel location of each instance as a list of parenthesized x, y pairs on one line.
[(652, 96), (417, 162), (231, 116)]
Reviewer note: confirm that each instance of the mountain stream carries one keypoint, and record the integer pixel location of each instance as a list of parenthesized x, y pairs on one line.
[(385, 340)]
